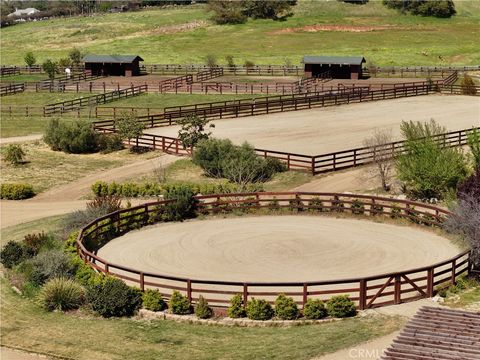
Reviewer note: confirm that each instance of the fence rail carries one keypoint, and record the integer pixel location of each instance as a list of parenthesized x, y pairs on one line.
[(11, 89), (75, 104), (366, 292)]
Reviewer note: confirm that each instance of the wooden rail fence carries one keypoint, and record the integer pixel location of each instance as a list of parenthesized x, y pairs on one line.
[(11, 89), (90, 101), (366, 292)]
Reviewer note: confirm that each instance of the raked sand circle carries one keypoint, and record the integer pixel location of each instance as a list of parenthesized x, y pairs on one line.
[(277, 248)]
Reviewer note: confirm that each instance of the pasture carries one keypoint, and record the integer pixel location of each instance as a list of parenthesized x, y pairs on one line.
[(185, 35)]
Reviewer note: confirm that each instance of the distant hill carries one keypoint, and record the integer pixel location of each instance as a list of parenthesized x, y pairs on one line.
[(185, 35)]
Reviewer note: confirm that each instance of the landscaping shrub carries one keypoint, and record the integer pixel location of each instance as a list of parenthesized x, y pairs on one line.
[(16, 191), (470, 188), (236, 309), (427, 169), (468, 85), (12, 254), (239, 164), (315, 204), (203, 311), (71, 137), (436, 8), (357, 207), (14, 154), (179, 304), (341, 306), (473, 141), (113, 298), (314, 309), (185, 205), (108, 143), (105, 204), (61, 294), (34, 242), (286, 308), (29, 59), (259, 309), (152, 300), (147, 189), (48, 265), (84, 274)]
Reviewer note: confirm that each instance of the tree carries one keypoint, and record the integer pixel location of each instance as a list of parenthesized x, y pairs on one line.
[(14, 154), (380, 146), (473, 141), (75, 56), (30, 59), (437, 8), (193, 129), (427, 169), (464, 220), (230, 61), (128, 126), (211, 61), (268, 9), (468, 85), (51, 68), (226, 11)]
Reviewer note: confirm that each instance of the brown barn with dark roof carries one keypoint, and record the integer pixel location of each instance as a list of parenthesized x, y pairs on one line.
[(338, 67), (112, 65)]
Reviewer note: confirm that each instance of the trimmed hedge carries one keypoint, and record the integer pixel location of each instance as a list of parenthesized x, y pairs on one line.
[(152, 300), (146, 189), (236, 309), (16, 191), (179, 304), (341, 306), (259, 309), (286, 308), (203, 311), (314, 309)]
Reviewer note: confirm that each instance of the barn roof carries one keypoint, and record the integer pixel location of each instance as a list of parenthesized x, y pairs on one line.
[(438, 333), (112, 59), (342, 60)]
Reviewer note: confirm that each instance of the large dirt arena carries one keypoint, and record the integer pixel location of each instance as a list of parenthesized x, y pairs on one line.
[(337, 128), (277, 248)]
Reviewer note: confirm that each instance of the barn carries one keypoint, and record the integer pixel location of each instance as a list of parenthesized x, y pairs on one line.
[(337, 67), (112, 65)]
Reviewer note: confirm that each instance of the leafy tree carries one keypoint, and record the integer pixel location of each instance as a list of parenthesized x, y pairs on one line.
[(75, 56), (427, 169), (128, 126), (65, 62), (230, 61), (211, 61), (30, 59), (474, 144), (14, 154), (193, 129), (227, 12), (51, 68), (268, 9), (436, 8), (468, 85)]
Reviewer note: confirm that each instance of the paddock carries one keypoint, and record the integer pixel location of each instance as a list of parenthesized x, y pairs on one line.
[(289, 248), (343, 127)]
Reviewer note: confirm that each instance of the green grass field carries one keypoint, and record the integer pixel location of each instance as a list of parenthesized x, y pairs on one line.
[(23, 78), (160, 36)]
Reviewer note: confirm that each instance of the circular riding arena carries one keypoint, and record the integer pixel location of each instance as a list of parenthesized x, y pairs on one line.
[(290, 248), (337, 128)]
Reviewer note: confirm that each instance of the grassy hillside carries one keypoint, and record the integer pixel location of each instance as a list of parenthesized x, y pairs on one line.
[(185, 35)]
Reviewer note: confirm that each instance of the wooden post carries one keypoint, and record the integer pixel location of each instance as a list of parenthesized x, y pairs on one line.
[(362, 296), (430, 278), (189, 290), (454, 272), (245, 295), (305, 295), (398, 289), (142, 282)]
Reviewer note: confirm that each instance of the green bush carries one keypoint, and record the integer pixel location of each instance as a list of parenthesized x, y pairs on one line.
[(286, 308), (185, 205), (33, 243), (315, 204), (314, 309), (71, 137), (108, 143), (341, 306), (357, 207), (14, 154), (113, 298), (12, 254), (48, 265), (61, 294), (259, 309), (16, 191), (179, 304), (152, 300), (202, 310), (436, 8), (236, 308), (84, 274)]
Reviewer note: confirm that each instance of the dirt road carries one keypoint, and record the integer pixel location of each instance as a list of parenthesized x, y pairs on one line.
[(324, 130)]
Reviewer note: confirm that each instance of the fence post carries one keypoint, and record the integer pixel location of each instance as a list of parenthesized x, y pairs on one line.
[(454, 272), (189, 290), (398, 289), (430, 282), (245, 295), (142, 282), (305, 295), (362, 296)]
